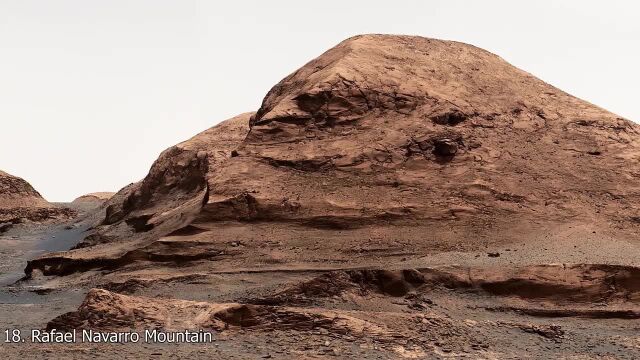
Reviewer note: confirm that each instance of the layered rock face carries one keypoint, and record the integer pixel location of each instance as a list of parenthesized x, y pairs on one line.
[(19, 201), (15, 192), (566, 291), (400, 193), (409, 129), (382, 143)]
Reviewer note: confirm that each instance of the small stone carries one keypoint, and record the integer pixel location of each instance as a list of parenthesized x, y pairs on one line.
[(445, 147)]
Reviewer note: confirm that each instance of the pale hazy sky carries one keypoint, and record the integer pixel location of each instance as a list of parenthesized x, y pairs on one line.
[(91, 91)]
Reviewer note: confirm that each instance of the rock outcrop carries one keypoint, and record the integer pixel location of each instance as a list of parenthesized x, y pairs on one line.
[(91, 206), (19, 202), (97, 197), (15, 192), (105, 310), (395, 197), (391, 142)]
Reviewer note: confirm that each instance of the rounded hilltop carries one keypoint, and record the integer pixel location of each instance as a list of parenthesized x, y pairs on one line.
[(100, 196)]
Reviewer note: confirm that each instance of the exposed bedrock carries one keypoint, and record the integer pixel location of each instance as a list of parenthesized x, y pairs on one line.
[(556, 284), (601, 291), (20, 202), (177, 176), (386, 133)]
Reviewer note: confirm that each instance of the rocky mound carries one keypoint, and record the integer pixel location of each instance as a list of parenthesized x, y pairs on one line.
[(94, 197), (15, 192), (396, 146), (19, 201), (91, 204), (411, 194)]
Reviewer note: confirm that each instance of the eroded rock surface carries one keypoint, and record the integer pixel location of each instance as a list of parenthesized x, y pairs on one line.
[(395, 135), (20, 202), (418, 193), (96, 197)]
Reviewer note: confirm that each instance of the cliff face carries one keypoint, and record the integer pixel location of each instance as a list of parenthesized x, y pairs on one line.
[(413, 143)]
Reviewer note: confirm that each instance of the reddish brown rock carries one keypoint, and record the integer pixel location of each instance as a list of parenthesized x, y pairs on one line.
[(15, 192), (414, 194), (434, 145), (94, 197), (19, 202)]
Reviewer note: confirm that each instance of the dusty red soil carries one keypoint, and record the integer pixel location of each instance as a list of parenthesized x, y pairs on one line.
[(408, 197)]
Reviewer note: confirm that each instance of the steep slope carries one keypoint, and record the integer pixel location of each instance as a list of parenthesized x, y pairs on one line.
[(384, 148), (15, 192), (19, 201)]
